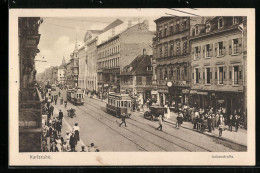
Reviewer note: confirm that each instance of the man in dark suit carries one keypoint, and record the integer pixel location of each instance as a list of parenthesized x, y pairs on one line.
[(73, 142), (60, 115), (123, 120)]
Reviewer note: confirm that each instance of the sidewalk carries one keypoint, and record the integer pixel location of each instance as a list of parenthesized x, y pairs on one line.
[(239, 137)]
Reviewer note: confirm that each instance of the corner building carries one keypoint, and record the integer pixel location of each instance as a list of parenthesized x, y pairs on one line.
[(171, 54), (217, 64)]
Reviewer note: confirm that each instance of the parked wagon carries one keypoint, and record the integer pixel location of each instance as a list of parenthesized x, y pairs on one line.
[(118, 104)]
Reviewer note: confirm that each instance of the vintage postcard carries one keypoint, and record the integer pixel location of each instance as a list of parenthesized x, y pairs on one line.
[(108, 87)]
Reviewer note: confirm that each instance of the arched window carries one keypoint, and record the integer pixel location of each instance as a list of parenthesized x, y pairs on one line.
[(220, 22)]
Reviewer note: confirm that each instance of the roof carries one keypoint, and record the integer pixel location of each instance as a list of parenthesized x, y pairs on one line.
[(113, 24), (162, 18), (95, 31), (139, 65)]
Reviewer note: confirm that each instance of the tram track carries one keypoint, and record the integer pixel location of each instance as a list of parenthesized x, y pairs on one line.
[(148, 131)]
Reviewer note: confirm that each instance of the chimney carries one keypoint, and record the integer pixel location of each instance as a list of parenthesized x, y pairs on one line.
[(129, 23), (144, 51), (146, 23)]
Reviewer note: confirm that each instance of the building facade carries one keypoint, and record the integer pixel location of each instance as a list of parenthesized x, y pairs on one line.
[(82, 66), (172, 55), (30, 100), (121, 47), (75, 63), (136, 78), (69, 74), (217, 64), (91, 41)]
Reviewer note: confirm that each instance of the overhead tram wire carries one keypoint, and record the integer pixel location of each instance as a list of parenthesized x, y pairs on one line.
[(185, 12)]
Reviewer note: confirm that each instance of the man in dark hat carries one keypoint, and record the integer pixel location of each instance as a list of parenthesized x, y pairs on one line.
[(60, 115), (123, 120), (72, 142)]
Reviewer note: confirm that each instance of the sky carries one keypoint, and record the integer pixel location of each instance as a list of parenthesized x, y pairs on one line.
[(59, 35)]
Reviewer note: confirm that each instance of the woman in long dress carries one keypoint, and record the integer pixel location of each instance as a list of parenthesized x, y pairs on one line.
[(76, 130), (221, 124)]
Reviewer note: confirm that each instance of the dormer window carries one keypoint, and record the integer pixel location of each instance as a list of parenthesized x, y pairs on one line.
[(207, 26), (220, 23), (149, 68), (196, 30)]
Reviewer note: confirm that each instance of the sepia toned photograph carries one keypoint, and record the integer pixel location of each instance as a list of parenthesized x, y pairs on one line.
[(169, 82)]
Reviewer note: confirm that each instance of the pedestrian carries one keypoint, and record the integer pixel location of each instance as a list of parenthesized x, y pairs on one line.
[(123, 120), (61, 115), (67, 137), (230, 122), (197, 116), (91, 148), (73, 142), (83, 148), (209, 120), (59, 93), (160, 123), (65, 103), (51, 110), (221, 124), (44, 146), (76, 131), (217, 118), (179, 119), (213, 121), (53, 147), (58, 126), (236, 121), (58, 143)]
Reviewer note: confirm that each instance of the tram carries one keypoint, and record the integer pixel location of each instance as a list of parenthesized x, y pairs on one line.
[(118, 104), (75, 96)]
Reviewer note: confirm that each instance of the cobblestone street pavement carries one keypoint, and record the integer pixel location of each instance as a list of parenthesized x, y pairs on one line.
[(140, 135)]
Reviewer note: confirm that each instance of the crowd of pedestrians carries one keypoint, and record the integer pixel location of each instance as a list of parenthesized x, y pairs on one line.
[(208, 119)]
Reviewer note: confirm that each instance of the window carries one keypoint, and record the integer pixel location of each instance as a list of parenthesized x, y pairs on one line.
[(208, 50), (235, 80), (185, 71), (165, 73), (171, 74), (196, 52), (171, 48), (177, 26), (160, 32), (208, 75), (166, 50), (161, 74), (185, 47), (193, 31), (178, 47), (196, 30), (208, 26), (160, 52), (220, 23), (139, 80), (220, 48), (171, 28), (178, 73), (235, 46), (221, 75), (184, 24), (165, 30), (149, 80), (149, 68), (196, 75), (235, 20)]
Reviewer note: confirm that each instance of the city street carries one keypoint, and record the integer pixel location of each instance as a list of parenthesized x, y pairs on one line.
[(102, 129)]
